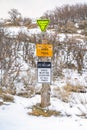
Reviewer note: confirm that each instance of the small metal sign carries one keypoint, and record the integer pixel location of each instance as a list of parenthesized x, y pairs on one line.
[(44, 50), (43, 23), (44, 72)]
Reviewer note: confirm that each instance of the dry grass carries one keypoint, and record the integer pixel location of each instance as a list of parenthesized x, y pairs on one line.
[(23, 94), (1, 103), (10, 91), (71, 88), (1, 91), (81, 102), (26, 94), (62, 94), (1, 100), (7, 98), (38, 111), (32, 26)]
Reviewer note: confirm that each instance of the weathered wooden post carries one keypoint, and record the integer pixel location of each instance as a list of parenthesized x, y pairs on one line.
[(44, 51)]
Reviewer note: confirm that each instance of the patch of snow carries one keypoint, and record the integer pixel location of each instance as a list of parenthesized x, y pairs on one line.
[(79, 31), (14, 117), (72, 76), (34, 31), (16, 30)]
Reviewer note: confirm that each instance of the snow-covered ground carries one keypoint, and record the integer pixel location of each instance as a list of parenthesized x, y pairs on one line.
[(13, 116)]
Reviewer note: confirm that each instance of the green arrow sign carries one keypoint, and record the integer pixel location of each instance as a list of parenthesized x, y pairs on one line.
[(43, 23)]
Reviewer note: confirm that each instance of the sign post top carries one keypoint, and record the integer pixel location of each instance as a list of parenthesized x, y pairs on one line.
[(43, 23)]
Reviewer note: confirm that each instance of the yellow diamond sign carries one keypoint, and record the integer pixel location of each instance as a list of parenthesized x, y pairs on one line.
[(43, 23)]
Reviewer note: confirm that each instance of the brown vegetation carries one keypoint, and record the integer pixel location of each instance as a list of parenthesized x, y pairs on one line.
[(7, 98), (38, 111)]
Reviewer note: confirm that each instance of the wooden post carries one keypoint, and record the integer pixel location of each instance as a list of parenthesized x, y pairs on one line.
[(45, 95), (45, 90)]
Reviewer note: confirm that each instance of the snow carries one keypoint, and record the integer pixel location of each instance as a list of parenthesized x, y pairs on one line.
[(13, 116), (70, 77), (34, 31), (74, 78), (16, 30)]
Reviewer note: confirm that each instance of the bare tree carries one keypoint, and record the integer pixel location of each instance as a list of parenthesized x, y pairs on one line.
[(14, 16)]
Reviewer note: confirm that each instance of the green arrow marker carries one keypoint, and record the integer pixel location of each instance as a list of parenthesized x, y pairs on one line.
[(43, 23)]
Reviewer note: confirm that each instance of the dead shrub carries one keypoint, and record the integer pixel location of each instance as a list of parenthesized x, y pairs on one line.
[(69, 27), (7, 98), (1, 102), (80, 99), (71, 88), (62, 94), (83, 24), (65, 92), (32, 26), (10, 91), (26, 94), (1, 91), (23, 94)]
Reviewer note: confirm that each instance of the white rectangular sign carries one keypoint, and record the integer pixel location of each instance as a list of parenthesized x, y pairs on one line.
[(44, 75), (44, 72)]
